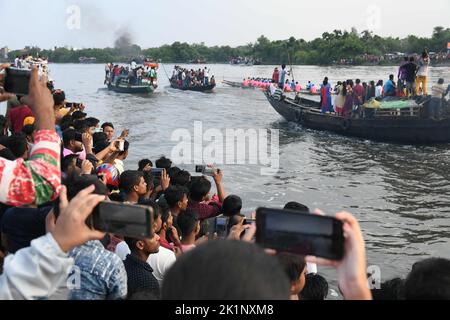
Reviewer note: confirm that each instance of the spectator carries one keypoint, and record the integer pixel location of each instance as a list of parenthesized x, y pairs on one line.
[(235, 271), (429, 280), (295, 268), (108, 129), (38, 180), (232, 206), (102, 273), (73, 143), (139, 272), (21, 225), (182, 179), (18, 146), (389, 290), (162, 261), (17, 115), (199, 193), (163, 163), (316, 288), (189, 225), (390, 87), (168, 233), (133, 185), (177, 201), (145, 165), (296, 206), (121, 157), (36, 272)]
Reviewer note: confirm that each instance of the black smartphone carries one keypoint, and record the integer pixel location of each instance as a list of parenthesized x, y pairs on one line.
[(157, 172), (17, 81), (123, 219), (300, 233), (221, 227), (249, 221)]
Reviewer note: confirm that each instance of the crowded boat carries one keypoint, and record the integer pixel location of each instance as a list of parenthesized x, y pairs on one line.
[(193, 80)]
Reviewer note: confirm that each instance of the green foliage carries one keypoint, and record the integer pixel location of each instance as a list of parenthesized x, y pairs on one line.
[(330, 48)]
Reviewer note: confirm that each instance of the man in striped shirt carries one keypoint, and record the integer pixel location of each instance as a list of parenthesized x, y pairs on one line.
[(37, 180)]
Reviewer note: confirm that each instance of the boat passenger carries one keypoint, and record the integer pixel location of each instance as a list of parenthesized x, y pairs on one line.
[(292, 85), (275, 76), (298, 87), (287, 86), (245, 83), (379, 90), (325, 96), (370, 91), (437, 94), (402, 77), (411, 70), (358, 93), (313, 89), (283, 76), (340, 99), (389, 87), (422, 73), (308, 86), (348, 105)]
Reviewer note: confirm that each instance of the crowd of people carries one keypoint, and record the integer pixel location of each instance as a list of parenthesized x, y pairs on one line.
[(132, 74), (57, 164), (185, 78)]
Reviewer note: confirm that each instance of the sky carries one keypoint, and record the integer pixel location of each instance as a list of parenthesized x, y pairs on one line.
[(152, 23)]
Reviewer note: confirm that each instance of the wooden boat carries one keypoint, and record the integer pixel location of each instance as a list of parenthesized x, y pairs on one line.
[(123, 87), (407, 126), (174, 85), (237, 84)]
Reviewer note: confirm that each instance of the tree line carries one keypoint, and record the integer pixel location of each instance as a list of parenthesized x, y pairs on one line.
[(331, 48)]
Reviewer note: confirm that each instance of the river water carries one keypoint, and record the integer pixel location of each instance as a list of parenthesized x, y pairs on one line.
[(400, 194)]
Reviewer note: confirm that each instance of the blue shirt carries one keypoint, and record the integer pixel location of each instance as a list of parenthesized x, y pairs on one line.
[(102, 273), (389, 87)]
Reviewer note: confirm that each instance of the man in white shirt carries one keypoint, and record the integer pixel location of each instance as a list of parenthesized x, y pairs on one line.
[(206, 77)]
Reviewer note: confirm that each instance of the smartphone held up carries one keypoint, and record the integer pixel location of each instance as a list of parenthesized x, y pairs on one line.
[(300, 233)]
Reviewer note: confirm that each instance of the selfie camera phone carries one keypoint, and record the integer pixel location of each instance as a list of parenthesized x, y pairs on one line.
[(300, 233), (205, 170), (123, 220), (157, 172)]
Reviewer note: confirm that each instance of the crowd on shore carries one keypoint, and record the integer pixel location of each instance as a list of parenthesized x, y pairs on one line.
[(57, 164)]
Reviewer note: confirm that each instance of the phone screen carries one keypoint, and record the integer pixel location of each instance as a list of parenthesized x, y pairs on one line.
[(157, 172), (221, 227), (123, 219), (300, 233), (17, 81)]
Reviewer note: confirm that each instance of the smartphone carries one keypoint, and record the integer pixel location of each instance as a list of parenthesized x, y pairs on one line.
[(157, 172), (221, 227), (300, 233), (205, 170), (17, 81), (123, 219), (249, 221)]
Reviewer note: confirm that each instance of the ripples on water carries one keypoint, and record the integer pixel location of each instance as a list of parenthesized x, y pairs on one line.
[(400, 194)]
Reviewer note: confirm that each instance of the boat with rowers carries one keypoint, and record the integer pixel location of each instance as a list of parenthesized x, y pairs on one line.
[(398, 121)]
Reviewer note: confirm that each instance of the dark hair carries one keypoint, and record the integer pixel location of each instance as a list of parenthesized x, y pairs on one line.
[(429, 280), (77, 115), (58, 97), (441, 81), (3, 122), (107, 124), (389, 290), (283, 66), (229, 263), (296, 207), (67, 161), (80, 125), (92, 122), (75, 184), (156, 208), (174, 194), (199, 188), (149, 180), (316, 288), (182, 178), (163, 163), (292, 264), (379, 83), (129, 179), (391, 77), (187, 221), (17, 144), (99, 137), (69, 135), (173, 171), (143, 163), (232, 205), (412, 59), (358, 81)]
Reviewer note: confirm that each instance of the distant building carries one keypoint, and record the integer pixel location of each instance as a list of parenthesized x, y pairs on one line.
[(4, 53)]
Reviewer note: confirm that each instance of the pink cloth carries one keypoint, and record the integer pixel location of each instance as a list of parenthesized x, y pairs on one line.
[(81, 155), (187, 248), (298, 88), (287, 88)]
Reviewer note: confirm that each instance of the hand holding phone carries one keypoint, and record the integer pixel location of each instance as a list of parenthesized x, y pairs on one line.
[(300, 233)]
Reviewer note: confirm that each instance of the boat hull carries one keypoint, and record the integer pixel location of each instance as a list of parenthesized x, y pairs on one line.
[(131, 89), (404, 130), (208, 88)]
